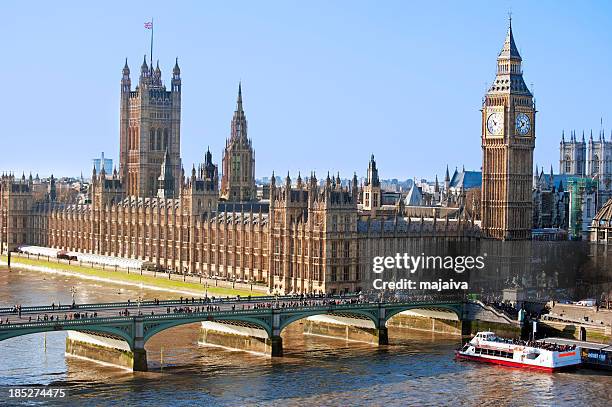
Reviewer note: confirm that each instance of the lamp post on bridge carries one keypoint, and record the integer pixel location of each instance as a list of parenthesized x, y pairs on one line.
[(73, 291), (138, 301)]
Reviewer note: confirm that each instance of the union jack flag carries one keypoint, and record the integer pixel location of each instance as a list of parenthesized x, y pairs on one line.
[(148, 25)]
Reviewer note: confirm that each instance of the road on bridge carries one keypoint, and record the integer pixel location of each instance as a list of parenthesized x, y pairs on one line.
[(45, 314)]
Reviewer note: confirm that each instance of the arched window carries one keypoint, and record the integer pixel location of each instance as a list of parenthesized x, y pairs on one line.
[(159, 139), (166, 138), (568, 164), (595, 165), (152, 139)]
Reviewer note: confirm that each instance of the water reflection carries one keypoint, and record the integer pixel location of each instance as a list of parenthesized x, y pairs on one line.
[(417, 369)]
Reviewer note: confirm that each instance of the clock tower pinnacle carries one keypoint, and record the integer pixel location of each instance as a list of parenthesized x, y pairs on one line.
[(508, 140)]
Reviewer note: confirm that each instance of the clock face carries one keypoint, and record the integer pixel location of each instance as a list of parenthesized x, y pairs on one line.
[(523, 125), (495, 123)]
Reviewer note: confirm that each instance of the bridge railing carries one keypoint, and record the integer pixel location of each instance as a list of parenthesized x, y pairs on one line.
[(152, 303), (59, 323)]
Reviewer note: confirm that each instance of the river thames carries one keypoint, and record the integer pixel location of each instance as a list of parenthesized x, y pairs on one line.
[(416, 369)]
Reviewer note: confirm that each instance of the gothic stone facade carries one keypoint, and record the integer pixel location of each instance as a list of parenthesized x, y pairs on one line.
[(308, 238), (238, 182), (591, 159), (508, 140), (150, 127)]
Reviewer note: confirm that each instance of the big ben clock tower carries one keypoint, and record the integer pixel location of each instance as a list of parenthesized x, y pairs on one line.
[(508, 140)]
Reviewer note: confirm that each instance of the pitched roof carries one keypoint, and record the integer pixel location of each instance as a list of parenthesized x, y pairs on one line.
[(509, 49), (466, 179), (414, 197)]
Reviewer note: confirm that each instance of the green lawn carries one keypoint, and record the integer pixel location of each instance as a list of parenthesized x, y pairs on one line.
[(134, 277)]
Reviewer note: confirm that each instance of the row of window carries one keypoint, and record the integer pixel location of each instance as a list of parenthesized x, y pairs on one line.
[(494, 352), (346, 274)]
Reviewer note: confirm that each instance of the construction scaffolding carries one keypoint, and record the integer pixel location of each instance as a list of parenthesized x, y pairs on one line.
[(582, 205)]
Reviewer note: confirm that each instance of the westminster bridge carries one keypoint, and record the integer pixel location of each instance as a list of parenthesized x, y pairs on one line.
[(117, 332)]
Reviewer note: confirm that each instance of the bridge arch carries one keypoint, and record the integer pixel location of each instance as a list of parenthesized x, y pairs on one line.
[(103, 330), (359, 314), (152, 329), (456, 309)]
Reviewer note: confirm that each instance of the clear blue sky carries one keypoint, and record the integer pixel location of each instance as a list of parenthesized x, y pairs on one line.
[(325, 83)]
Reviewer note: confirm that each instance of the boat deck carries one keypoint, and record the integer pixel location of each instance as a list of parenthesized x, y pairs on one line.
[(594, 355)]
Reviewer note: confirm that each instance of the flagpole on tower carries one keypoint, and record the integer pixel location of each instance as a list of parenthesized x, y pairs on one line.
[(152, 28)]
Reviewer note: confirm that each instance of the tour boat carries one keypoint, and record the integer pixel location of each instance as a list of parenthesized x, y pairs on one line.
[(539, 355)]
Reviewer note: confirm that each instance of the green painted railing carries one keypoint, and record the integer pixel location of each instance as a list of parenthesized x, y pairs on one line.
[(151, 303), (368, 306)]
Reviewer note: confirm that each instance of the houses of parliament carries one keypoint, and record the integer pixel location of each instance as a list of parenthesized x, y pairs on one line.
[(308, 235)]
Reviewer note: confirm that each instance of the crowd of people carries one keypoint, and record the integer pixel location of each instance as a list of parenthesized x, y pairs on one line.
[(66, 317), (215, 304), (303, 302), (553, 347)]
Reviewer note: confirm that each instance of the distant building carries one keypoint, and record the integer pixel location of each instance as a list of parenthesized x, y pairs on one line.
[(107, 163), (550, 200), (601, 225), (582, 206), (591, 159)]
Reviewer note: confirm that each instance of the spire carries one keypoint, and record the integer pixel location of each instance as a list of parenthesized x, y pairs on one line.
[(447, 176), (176, 77), (509, 50), (372, 176), (126, 68), (208, 157), (239, 101), (239, 121), (165, 188), (299, 180), (509, 78), (563, 136), (144, 67)]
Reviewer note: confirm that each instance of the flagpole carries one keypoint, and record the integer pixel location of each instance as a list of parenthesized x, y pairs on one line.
[(152, 27)]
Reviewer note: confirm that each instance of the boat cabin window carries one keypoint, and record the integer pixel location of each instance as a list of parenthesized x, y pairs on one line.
[(487, 336)]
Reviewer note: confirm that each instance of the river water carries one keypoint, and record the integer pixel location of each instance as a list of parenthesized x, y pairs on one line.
[(416, 369)]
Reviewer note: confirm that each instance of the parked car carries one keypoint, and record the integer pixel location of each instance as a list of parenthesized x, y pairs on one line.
[(63, 255), (149, 266)]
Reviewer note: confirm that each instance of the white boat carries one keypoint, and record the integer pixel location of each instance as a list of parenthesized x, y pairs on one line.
[(539, 355)]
